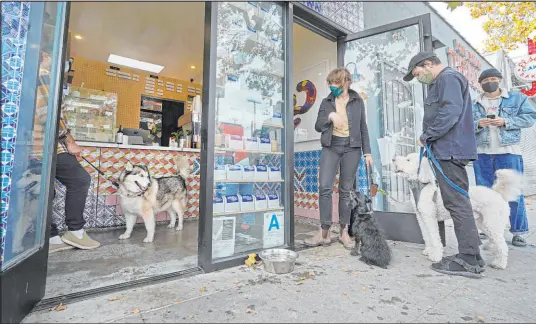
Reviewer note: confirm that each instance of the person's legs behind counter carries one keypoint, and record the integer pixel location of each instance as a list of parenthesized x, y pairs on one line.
[(77, 181)]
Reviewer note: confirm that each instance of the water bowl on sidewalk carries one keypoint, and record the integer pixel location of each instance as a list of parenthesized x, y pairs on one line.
[(278, 261)]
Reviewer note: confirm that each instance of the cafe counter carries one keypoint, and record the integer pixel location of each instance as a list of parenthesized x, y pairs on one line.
[(102, 206)]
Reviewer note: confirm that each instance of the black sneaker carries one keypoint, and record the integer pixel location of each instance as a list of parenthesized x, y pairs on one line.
[(519, 240)]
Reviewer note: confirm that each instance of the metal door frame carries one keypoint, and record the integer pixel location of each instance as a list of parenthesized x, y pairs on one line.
[(397, 226), (23, 283), (208, 126)]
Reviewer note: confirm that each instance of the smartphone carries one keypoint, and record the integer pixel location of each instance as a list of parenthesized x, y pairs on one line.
[(490, 116)]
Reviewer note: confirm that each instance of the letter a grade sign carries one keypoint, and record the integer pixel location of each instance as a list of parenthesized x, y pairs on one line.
[(274, 230)]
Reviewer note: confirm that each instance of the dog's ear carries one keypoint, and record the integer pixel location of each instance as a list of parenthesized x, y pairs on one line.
[(129, 166)]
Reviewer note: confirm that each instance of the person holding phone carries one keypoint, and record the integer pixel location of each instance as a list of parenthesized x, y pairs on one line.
[(342, 121), (499, 115)]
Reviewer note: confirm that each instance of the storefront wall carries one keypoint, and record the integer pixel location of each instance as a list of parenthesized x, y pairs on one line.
[(372, 15)]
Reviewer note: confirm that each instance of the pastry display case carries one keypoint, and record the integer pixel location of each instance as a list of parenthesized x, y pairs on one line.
[(90, 114)]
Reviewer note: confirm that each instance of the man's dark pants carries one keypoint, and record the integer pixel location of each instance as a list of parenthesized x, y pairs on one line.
[(459, 205), (76, 181)]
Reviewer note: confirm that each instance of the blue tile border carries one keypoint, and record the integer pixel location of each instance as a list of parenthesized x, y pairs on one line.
[(15, 16)]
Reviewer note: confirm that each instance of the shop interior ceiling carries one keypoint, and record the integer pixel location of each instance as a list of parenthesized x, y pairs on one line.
[(163, 33)]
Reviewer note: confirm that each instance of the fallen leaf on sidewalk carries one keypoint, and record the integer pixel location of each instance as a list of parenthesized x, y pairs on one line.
[(113, 298), (236, 283), (202, 289), (356, 272), (481, 319), (59, 308), (364, 288), (345, 294), (177, 302), (136, 310), (250, 309)]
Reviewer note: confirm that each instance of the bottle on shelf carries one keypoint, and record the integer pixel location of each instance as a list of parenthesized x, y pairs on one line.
[(119, 135)]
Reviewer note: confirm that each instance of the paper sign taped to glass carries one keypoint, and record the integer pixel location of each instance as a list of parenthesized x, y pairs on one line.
[(223, 237), (274, 230)]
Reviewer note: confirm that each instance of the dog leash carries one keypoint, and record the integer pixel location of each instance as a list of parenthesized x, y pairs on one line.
[(427, 149), (100, 172)]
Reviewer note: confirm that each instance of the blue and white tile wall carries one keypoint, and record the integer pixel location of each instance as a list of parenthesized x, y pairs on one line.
[(346, 14), (306, 166), (15, 17)]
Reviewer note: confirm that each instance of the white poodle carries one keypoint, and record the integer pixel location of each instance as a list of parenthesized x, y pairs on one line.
[(490, 206)]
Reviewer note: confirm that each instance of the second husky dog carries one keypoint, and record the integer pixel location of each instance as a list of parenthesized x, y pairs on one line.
[(142, 195)]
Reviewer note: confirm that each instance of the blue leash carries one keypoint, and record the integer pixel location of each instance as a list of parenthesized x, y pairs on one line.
[(432, 159)]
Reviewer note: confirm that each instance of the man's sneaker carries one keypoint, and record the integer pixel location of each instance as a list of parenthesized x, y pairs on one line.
[(519, 240), (85, 243), (319, 239), (58, 247), (345, 239)]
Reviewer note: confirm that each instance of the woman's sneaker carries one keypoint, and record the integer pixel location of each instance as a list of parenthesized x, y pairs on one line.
[(519, 240), (84, 243)]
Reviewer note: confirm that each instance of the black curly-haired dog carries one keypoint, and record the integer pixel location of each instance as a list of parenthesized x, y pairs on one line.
[(369, 240)]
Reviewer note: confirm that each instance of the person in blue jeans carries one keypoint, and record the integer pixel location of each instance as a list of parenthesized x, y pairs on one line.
[(499, 116)]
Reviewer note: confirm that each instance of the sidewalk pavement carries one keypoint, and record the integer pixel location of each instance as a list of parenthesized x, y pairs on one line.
[(328, 285)]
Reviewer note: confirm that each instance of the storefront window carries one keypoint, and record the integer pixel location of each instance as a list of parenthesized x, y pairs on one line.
[(248, 209), (394, 107), (35, 133)]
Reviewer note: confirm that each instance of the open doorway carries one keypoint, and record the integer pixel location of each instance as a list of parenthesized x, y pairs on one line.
[(136, 67), (314, 57)]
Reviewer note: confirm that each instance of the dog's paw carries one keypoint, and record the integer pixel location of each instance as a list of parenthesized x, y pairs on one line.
[(435, 255), (486, 246), (426, 252), (179, 227), (124, 237), (148, 239), (171, 226), (354, 253), (496, 264)]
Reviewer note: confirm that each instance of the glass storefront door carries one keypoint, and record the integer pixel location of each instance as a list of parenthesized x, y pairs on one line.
[(247, 123), (28, 146), (378, 60)]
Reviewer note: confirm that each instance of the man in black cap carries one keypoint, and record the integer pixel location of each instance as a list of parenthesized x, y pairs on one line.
[(449, 130)]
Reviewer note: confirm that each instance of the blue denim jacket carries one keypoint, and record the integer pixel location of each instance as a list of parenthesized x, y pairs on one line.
[(447, 122), (517, 112)]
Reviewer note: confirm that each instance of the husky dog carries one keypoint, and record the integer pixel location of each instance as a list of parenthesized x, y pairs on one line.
[(29, 185), (490, 206), (142, 195), (374, 248)]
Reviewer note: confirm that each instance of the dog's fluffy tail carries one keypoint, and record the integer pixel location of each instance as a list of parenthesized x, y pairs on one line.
[(182, 165), (508, 183)]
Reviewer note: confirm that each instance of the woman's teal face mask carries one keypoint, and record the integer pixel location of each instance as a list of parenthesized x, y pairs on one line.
[(337, 91)]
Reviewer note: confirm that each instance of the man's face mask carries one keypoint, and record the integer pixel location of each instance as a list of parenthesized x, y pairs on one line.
[(336, 90), (490, 87), (426, 77)]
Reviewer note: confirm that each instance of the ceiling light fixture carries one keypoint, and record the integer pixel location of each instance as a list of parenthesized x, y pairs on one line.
[(140, 65), (193, 66), (78, 37)]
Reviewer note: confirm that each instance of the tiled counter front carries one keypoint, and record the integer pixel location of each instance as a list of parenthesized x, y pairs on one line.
[(306, 166), (102, 206)]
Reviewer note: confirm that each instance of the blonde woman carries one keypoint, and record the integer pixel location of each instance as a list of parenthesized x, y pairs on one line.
[(342, 122)]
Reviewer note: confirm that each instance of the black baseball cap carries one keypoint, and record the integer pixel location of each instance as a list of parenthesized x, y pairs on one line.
[(416, 60)]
